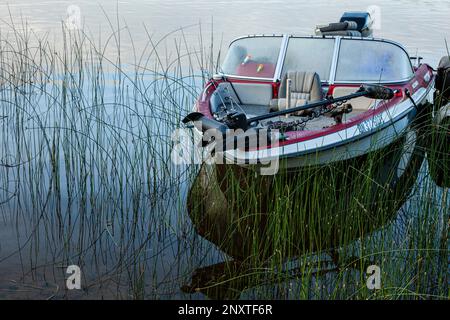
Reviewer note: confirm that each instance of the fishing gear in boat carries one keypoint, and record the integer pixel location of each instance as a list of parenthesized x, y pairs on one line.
[(237, 120), (335, 111), (213, 129), (408, 95)]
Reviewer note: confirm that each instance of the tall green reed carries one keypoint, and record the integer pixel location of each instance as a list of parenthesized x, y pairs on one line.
[(86, 175)]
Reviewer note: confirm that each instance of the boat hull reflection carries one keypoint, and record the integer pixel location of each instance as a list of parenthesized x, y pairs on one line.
[(255, 218), (246, 214)]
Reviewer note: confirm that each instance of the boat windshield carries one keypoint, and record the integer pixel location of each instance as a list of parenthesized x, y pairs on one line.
[(374, 61), (354, 60), (254, 57), (310, 55)]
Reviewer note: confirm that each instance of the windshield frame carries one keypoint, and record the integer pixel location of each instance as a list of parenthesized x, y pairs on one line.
[(334, 63)]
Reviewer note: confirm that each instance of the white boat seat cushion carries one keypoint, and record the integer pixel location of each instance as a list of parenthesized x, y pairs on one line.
[(305, 88)]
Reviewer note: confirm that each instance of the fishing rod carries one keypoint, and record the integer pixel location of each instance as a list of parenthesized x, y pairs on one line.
[(239, 120)]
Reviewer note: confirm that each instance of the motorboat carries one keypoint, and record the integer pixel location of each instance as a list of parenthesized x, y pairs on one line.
[(346, 118), (288, 101)]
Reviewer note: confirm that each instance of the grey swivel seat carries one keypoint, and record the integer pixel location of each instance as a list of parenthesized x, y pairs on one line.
[(305, 88)]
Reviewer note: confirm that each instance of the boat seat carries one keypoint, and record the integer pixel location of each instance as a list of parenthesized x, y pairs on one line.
[(305, 88)]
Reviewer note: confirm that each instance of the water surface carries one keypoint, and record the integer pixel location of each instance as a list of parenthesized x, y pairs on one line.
[(95, 186)]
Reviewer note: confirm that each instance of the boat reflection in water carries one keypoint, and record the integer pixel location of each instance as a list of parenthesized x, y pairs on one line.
[(255, 219)]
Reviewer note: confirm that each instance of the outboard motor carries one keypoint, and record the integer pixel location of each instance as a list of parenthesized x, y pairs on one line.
[(442, 84), (439, 153), (351, 24)]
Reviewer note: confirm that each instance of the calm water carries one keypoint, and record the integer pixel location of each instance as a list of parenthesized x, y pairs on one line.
[(420, 25), (36, 246)]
